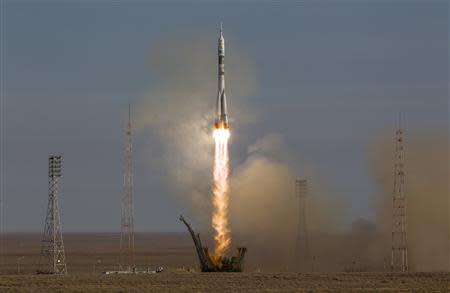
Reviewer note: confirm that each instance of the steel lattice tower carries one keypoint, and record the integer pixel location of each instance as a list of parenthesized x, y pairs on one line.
[(127, 221), (302, 245), (52, 259), (399, 253)]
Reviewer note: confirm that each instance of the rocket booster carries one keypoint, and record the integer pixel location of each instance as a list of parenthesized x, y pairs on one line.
[(221, 105)]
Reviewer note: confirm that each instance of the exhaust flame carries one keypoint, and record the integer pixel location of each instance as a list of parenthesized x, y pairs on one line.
[(220, 191)]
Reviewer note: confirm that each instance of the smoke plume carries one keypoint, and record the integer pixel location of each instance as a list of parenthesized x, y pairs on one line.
[(178, 113), (264, 207)]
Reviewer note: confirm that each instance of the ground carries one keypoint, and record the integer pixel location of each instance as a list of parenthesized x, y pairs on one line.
[(229, 282), (88, 255)]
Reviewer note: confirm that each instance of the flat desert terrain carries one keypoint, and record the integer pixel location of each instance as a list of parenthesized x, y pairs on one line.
[(90, 254), (229, 282)]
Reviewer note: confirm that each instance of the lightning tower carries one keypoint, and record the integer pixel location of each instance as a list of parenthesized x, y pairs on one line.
[(302, 245), (127, 221), (52, 259), (399, 252)]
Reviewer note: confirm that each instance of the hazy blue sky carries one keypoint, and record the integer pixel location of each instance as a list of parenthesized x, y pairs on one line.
[(331, 75)]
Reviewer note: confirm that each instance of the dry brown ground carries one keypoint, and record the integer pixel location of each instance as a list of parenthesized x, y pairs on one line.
[(229, 282), (89, 254), (97, 252)]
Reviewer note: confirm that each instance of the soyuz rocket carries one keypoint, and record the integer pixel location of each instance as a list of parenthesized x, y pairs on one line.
[(221, 120)]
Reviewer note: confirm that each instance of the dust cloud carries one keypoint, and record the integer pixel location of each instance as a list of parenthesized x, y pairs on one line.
[(264, 207)]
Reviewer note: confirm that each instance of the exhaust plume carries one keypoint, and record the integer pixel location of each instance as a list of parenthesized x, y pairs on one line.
[(220, 191)]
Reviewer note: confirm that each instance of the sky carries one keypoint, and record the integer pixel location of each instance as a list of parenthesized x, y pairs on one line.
[(331, 76)]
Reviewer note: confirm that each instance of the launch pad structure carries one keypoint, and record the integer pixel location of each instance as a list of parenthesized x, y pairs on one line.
[(209, 263)]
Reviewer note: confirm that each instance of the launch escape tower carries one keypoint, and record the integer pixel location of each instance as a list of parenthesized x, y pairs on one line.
[(126, 258), (52, 259), (302, 243), (399, 252)]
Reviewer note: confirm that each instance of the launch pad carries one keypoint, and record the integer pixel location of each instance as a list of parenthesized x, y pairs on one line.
[(212, 263)]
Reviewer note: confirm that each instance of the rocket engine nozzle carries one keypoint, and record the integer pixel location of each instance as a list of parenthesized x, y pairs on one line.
[(221, 124)]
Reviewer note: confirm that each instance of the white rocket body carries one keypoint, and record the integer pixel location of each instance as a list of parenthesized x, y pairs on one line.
[(221, 105)]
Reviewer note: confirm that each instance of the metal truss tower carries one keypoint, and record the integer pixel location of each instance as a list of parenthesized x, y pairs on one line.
[(52, 259), (399, 253), (127, 261), (302, 245)]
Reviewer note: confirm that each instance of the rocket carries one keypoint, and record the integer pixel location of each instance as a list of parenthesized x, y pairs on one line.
[(221, 120)]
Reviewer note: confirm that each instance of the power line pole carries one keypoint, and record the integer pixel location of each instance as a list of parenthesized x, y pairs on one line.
[(399, 253), (52, 259), (127, 221), (302, 247)]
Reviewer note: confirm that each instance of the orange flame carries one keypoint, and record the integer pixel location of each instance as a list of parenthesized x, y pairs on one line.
[(220, 191)]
